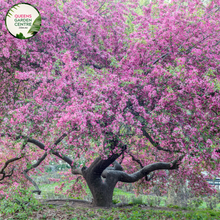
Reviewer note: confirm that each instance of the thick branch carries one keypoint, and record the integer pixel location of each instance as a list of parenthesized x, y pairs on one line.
[(130, 178), (116, 166), (99, 165), (42, 146), (123, 156), (8, 162), (139, 162), (78, 171)]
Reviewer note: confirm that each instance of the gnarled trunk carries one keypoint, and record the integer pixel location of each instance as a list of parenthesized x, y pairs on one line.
[(102, 194), (102, 191)]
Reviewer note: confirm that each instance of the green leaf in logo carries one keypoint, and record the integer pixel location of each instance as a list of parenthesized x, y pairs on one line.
[(9, 14), (35, 26), (20, 36)]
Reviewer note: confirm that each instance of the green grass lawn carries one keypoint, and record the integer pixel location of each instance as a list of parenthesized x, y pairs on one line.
[(119, 195), (131, 213), (135, 211)]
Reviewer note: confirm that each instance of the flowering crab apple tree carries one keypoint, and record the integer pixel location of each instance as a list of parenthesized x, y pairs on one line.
[(137, 110)]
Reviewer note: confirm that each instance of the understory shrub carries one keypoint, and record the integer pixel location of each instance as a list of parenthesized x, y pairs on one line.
[(154, 200), (211, 202), (194, 202)]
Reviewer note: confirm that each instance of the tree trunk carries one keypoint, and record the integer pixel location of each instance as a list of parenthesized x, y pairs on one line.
[(102, 192), (102, 195)]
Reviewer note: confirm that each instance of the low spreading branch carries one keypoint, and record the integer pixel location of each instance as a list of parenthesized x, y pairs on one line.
[(116, 166), (58, 154), (130, 178), (32, 167), (2, 171), (4, 175)]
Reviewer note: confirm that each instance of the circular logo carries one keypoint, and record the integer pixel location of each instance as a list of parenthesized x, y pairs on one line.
[(23, 21)]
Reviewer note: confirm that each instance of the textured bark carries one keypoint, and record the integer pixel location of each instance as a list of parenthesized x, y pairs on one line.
[(130, 178), (102, 191)]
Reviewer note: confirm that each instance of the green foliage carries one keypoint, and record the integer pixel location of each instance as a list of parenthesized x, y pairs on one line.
[(138, 213), (137, 200), (21, 202), (115, 201), (154, 200), (114, 62), (118, 191), (91, 214), (125, 83), (173, 206), (134, 212), (204, 215), (195, 202), (211, 202)]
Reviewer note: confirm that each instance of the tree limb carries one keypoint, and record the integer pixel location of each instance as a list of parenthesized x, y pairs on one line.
[(42, 146), (34, 166), (8, 162), (7, 175), (136, 160), (150, 177), (78, 171), (130, 178), (123, 156), (145, 133), (2, 171), (99, 165)]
